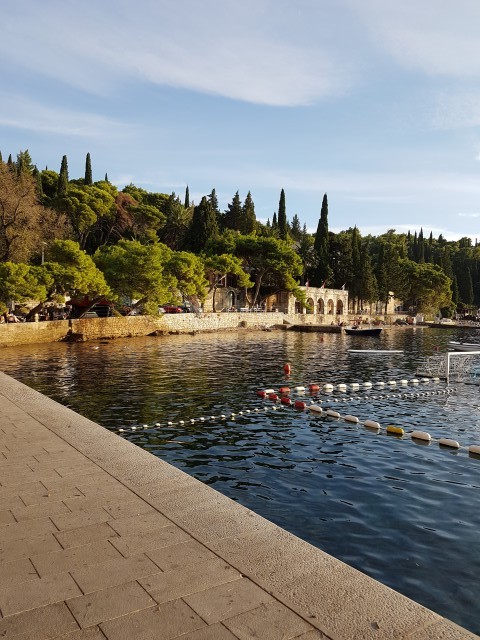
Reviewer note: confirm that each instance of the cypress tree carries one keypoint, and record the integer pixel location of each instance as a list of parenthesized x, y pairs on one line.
[(38, 181), (321, 247), (421, 247), (106, 178), (204, 225), (249, 219), (1, 159), (282, 217), (187, 198), (10, 163), (368, 284), (62, 184), (88, 170), (274, 221)]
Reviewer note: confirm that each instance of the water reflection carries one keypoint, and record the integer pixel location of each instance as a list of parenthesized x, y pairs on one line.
[(397, 510)]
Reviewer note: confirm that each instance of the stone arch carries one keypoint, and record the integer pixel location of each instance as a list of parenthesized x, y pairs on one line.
[(311, 304), (340, 307), (321, 306), (330, 307), (298, 307)]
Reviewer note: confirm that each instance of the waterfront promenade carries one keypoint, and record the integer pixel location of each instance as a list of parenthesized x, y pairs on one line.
[(100, 539)]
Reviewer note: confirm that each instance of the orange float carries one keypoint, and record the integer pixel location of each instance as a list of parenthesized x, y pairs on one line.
[(287, 368), (284, 390)]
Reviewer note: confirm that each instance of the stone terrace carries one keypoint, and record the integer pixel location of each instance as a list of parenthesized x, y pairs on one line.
[(100, 539)]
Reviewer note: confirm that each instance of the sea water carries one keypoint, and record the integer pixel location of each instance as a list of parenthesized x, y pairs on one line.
[(403, 512)]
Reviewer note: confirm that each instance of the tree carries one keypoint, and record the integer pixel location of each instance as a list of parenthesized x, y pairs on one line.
[(24, 162), (188, 271), (186, 204), (217, 267), (19, 283), (85, 205), (282, 217), (62, 184), (269, 262), (233, 215), (88, 171), (368, 282), (204, 225), (296, 229), (248, 219), (426, 287), (323, 270), (138, 273), (177, 219), (24, 223)]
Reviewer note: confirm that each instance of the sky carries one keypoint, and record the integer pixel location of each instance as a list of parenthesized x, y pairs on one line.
[(375, 103)]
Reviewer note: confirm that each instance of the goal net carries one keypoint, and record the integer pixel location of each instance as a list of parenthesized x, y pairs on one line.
[(454, 366)]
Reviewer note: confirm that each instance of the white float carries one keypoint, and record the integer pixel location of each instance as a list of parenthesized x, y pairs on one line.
[(421, 435), (332, 413), (447, 442), (349, 418), (316, 408)]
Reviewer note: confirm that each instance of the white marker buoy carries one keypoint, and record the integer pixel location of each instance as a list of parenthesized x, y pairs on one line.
[(421, 435)]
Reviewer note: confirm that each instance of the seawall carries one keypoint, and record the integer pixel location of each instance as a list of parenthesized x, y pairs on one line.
[(135, 326)]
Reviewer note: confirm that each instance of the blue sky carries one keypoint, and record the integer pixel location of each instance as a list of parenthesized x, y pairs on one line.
[(374, 102)]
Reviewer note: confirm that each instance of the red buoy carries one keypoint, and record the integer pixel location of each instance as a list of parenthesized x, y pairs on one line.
[(284, 390), (314, 387), (273, 396), (300, 405), (262, 394), (287, 368), (285, 400)]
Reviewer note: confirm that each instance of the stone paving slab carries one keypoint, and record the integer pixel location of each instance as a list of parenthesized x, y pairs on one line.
[(100, 540)]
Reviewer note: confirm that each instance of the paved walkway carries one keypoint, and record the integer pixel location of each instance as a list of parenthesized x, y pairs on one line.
[(99, 539)]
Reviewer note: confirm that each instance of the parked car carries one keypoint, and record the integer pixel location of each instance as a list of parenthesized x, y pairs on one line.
[(171, 308), (90, 314)]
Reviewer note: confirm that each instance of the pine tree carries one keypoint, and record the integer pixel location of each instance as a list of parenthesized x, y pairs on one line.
[(24, 162), (10, 164), (106, 178), (63, 178), (88, 171), (323, 271), (274, 221), (249, 219), (296, 229), (187, 198), (233, 214), (282, 217)]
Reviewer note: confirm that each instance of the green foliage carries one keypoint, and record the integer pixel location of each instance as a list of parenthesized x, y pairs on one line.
[(88, 171), (72, 271), (62, 184), (20, 282), (323, 271), (425, 286), (204, 226), (138, 272), (219, 266), (282, 217), (232, 218)]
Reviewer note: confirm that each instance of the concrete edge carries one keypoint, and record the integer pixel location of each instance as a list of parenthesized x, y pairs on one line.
[(330, 595)]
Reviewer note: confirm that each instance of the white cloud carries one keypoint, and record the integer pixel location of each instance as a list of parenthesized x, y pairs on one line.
[(19, 112), (435, 37), (469, 215), (220, 47)]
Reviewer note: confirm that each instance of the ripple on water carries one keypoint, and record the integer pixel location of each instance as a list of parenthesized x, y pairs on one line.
[(402, 512)]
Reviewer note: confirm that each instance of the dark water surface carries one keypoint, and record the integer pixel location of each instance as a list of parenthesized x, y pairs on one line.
[(404, 513)]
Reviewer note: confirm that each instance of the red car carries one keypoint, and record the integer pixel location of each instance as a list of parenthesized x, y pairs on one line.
[(170, 308)]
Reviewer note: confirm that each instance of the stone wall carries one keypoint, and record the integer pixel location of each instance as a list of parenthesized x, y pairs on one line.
[(134, 326)]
